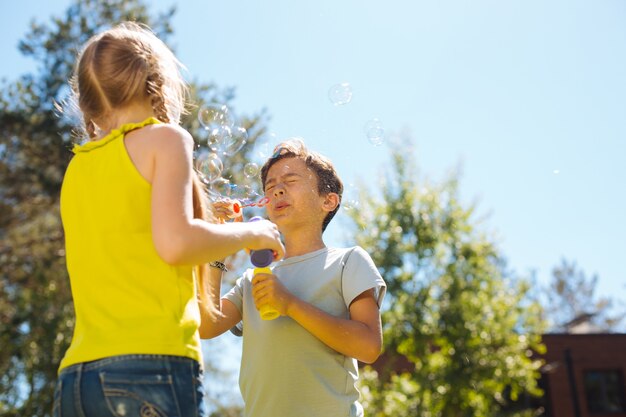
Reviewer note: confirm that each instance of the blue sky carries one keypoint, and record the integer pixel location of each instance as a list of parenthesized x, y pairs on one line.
[(527, 97)]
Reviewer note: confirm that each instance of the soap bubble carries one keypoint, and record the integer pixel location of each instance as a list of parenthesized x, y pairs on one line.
[(233, 140), (215, 116), (340, 94), (210, 165), (246, 193), (375, 132), (350, 204), (251, 192), (263, 146), (350, 199), (220, 188), (251, 170), (215, 138)]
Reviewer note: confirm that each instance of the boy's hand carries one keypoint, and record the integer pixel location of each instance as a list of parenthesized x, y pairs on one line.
[(268, 290)]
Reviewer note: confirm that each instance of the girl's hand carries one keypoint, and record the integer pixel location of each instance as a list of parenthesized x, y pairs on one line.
[(265, 235), (228, 209)]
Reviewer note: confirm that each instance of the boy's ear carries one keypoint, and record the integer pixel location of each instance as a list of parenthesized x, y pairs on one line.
[(331, 201)]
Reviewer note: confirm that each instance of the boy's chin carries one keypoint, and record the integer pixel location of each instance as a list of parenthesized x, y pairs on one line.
[(282, 222), (277, 220)]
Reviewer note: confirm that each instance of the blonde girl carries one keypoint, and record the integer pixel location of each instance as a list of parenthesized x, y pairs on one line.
[(133, 215)]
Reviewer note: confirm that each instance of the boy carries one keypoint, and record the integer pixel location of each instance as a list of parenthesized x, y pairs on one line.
[(304, 363)]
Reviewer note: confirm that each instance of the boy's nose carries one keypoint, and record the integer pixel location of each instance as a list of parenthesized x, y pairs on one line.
[(278, 192)]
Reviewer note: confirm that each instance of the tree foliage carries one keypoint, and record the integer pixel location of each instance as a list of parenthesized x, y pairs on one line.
[(36, 311), (459, 332)]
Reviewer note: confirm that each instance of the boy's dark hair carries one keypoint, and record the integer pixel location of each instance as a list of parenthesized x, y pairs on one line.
[(327, 179)]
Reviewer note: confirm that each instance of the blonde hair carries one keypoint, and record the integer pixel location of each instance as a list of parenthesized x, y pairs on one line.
[(328, 180), (124, 65), (129, 64)]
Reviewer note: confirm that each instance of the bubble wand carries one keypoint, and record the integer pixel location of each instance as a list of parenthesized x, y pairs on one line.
[(236, 207)]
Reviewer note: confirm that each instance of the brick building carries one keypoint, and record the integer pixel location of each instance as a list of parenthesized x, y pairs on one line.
[(584, 375)]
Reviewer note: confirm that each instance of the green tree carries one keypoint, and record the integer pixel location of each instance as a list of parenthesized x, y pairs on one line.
[(459, 332), (570, 299), (36, 311)]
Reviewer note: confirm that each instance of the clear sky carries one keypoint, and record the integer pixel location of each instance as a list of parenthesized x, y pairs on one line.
[(527, 96)]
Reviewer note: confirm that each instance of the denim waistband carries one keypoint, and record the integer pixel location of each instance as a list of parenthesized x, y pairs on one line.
[(98, 363)]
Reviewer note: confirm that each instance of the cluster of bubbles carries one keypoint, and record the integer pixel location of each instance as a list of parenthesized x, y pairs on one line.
[(224, 138), (247, 194)]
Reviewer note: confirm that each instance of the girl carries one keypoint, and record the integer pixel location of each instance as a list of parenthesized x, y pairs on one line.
[(132, 210)]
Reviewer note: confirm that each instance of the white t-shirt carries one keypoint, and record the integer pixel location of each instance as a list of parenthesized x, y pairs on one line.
[(285, 370)]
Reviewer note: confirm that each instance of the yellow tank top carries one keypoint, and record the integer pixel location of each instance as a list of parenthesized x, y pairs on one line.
[(127, 300)]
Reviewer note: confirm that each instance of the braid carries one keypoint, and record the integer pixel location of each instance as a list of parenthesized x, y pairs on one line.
[(154, 89), (90, 127)]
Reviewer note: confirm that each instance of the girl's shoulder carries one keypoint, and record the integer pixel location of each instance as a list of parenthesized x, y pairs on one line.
[(167, 131), (164, 136)]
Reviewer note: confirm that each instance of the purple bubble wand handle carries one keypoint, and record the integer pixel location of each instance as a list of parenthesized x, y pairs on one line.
[(261, 257)]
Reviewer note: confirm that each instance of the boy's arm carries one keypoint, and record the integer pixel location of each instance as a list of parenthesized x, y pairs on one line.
[(212, 325), (359, 337)]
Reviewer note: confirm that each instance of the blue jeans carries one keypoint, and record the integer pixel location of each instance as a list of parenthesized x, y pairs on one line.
[(131, 386)]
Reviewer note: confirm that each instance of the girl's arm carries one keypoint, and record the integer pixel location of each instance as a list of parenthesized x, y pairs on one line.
[(179, 238)]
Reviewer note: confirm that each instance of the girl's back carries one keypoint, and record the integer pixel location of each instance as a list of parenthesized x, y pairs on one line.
[(123, 290)]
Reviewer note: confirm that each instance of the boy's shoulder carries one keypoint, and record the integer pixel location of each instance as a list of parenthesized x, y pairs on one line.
[(356, 251)]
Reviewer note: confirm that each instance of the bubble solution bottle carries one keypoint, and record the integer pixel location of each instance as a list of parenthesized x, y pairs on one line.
[(261, 259)]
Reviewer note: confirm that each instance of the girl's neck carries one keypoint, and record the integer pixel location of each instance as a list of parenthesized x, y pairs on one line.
[(133, 113)]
